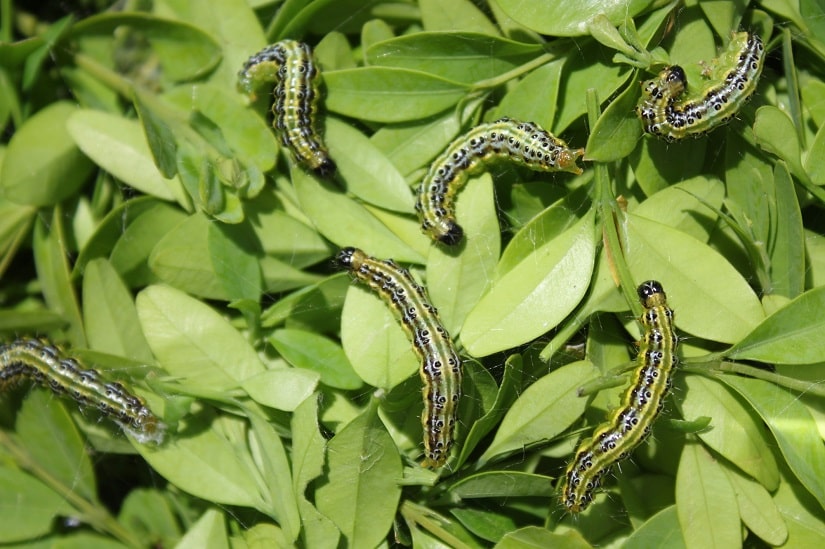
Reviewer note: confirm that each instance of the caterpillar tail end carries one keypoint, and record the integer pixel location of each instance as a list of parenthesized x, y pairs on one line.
[(567, 160)]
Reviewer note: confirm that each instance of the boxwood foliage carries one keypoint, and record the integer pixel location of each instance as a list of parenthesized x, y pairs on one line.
[(152, 225)]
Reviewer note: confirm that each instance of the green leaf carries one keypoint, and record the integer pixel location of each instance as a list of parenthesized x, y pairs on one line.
[(281, 388), (534, 536), (520, 103), (534, 296), (360, 494), (277, 476), (545, 409), (110, 316), (502, 484), (119, 146), (697, 279), (617, 130), (316, 353), (458, 56), (214, 449), (705, 501), (661, 530), (148, 513), (733, 432), (568, 19), (193, 342), (377, 347), (384, 94), (61, 459), (130, 253), (53, 273), (689, 206), (775, 132), (346, 222), (209, 531), (791, 335), (42, 165), (308, 453), (369, 174), (313, 307), (32, 507), (506, 395), (453, 280), (412, 146), (788, 250), (233, 251), (792, 426), (804, 527), (452, 15), (185, 51), (757, 509)]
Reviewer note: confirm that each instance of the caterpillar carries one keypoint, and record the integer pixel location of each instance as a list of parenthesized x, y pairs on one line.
[(440, 369), (290, 65), (629, 424), (732, 80), (49, 367), (522, 143)]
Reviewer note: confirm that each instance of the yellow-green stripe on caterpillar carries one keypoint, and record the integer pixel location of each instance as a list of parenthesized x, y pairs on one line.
[(629, 424), (522, 143), (48, 366), (290, 65), (440, 364), (732, 79)]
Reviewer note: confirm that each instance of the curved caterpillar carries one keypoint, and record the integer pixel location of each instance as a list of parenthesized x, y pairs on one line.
[(733, 77), (289, 64), (629, 424), (440, 364), (522, 143), (46, 365)]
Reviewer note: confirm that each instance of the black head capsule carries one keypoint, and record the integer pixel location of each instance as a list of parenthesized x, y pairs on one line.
[(343, 260), (453, 235), (648, 290)]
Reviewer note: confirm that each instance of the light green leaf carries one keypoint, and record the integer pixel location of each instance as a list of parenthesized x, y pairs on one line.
[(119, 146), (705, 501), (316, 353), (792, 335), (193, 342), (109, 313), (42, 165), (697, 279), (384, 94), (757, 509), (733, 432), (458, 56), (534, 296), (792, 426), (569, 19), (281, 388), (30, 506), (214, 449), (377, 347), (361, 494), (369, 175), (545, 409)]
